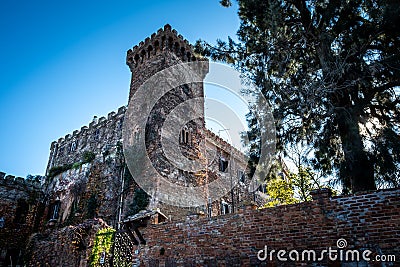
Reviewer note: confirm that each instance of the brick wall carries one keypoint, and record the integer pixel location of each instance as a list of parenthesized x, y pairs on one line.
[(366, 221)]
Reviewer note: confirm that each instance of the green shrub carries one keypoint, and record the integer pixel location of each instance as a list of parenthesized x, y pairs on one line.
[(139, 202), (76, 165), (88, 156), (56, 170)]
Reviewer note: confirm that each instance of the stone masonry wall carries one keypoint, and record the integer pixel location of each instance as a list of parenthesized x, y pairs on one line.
[(68, 246), (99, 137), (20, 211), (366, 221)]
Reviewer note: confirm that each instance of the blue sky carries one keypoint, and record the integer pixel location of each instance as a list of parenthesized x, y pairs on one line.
[(63, 62)]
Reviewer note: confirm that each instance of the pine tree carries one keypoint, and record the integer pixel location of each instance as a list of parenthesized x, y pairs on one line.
[(331, 71)]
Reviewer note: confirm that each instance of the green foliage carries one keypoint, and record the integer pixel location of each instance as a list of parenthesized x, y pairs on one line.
[(225, 3), (304, 182), (280, 191), (140, 201), (330, 71), (56, 170), (87, 157), (76, 165), (103, 243), (34, 178)]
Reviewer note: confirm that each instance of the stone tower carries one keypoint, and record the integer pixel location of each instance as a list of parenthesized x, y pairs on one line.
[(162, 50)]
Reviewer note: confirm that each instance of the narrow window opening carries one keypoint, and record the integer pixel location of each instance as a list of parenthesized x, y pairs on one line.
[(184, 137), (225, 208), (73, 146), (21, 211), (223, 164), (55, 210), (241, 176), (97, 134)]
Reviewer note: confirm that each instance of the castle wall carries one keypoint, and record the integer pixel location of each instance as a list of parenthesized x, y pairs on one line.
[(102, 178), (91, 190), (365, 221), (20, 211), (99, 137), (69, 246), (78, 185)]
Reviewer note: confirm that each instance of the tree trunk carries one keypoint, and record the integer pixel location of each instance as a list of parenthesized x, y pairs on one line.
[(357, 168)]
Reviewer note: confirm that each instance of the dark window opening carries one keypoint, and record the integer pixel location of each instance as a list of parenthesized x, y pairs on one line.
[(262, 188), (225, 209), (184, 137), (97, 134), (120, 124), (21, 211), (54, 210), (13, 257), (223, 164), (73, 146), (241, 176)]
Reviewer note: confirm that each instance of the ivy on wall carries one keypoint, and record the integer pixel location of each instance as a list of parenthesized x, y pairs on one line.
[(102, 246), (87, 157)]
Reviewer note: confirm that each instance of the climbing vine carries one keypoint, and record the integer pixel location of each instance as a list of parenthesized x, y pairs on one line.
[(102, 245)]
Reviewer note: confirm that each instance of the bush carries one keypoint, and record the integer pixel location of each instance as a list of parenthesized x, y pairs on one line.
[(88, 156), (56, 170), (76, 165), (139, 202)]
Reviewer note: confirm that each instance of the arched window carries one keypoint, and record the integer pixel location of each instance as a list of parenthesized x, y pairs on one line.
[(225, 208), (185, 136), (72, 147), (177, 50), (170, 44), (143, 55), (137, 57)]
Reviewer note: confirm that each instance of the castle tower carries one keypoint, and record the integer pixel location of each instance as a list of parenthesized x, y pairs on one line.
[(162, 50)]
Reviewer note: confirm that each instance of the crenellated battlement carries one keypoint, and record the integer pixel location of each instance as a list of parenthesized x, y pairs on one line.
[(100, 132), (19, 182), (166, 39), (225, 146), (96, 123)]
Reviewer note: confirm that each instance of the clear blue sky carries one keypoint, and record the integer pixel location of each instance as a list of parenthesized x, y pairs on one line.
[(62, 62)]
